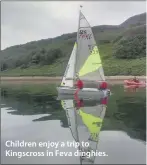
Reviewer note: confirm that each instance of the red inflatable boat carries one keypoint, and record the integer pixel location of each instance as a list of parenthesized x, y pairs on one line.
[(131, 82)]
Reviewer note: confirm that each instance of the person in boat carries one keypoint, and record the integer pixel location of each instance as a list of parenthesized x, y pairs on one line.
[(103, 85), (104, 101), (136, 80), (79, 84)]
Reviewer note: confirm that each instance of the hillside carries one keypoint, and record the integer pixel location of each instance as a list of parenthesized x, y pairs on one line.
[(139, 19), (50, 56)]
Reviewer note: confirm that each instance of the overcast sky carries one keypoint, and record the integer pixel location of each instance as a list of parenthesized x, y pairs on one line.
[(28, 21)]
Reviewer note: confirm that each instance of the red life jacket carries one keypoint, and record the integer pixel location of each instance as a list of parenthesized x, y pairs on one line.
[(104, 101), (79, 84), (80, 103), (103, 85)]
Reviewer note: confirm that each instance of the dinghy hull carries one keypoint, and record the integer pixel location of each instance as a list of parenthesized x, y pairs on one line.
[(85, 93)]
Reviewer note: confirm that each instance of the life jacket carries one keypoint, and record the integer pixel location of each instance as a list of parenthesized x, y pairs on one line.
[(80, 103), (79, 84), (104, 101), (103, 85)]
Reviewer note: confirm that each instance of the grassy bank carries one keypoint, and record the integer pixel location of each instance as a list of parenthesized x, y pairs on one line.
[(122, 49), (112, 66)]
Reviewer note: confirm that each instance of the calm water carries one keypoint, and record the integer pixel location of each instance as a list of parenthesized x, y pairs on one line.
[(32, 113)]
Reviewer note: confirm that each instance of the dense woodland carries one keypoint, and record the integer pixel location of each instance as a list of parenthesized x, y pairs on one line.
[(116, 44)]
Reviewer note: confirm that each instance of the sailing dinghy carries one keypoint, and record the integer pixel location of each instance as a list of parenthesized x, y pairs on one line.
[(85, 125), (85, 62)]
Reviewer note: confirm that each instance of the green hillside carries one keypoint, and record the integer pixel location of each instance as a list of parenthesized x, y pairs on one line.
[(122, 49)]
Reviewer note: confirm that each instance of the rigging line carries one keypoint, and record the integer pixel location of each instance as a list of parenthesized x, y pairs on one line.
[(77, 43)]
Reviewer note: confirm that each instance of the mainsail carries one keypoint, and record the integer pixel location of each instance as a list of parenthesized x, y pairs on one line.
[(69, 72), (85, 59), (88, 61)]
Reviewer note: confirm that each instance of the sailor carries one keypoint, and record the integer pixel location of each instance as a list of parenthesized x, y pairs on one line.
[(135, 80), (104, 101), (103, 85)]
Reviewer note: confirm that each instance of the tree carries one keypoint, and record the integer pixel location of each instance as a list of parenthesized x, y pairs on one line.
[(18, 63), (24, 66), (4, 66), (131, 48), (36, 58)]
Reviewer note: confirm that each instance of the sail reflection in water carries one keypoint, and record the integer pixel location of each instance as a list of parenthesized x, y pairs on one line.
[(85, 119)]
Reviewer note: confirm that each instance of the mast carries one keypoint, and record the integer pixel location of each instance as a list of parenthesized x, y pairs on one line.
[(75, 75), (77, 42)]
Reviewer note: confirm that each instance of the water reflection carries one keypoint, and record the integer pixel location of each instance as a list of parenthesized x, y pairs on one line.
[(34, 113), (134, 88), (32, 104), (132, 112), (85, 121)]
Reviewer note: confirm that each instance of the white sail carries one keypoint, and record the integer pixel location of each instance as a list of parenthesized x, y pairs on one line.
[(68, 106), (88, 61), (70, 69)]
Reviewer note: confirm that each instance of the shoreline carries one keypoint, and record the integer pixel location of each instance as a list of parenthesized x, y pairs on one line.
[(45, 78)]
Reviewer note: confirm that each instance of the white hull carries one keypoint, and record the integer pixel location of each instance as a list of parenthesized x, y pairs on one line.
[(85, 93)]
